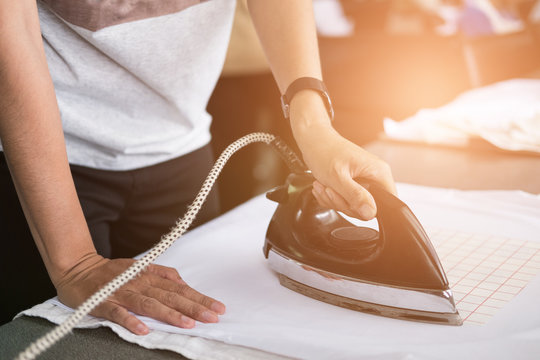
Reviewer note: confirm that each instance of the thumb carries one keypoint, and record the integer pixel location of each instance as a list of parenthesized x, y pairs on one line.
[(359, 199)]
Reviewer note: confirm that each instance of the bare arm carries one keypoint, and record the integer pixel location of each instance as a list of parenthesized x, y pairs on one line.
[(288, 35), (33, 142)]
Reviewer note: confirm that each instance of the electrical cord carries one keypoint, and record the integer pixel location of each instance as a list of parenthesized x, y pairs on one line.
[(45, 342)]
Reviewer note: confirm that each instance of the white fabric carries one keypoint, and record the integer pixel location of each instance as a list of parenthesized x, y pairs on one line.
[(500, 23), (331, 20), (224, 259), (507, 114)]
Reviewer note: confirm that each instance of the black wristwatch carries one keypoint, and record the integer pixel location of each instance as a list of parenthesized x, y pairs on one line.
[(304, 83)]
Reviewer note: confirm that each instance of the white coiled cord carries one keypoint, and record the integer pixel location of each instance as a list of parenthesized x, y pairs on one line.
[(49, 339)]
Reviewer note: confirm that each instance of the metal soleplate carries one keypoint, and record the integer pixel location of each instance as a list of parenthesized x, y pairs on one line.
[(400, 303)]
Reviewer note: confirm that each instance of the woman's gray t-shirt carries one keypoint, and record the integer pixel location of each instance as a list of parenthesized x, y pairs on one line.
[(133, 78)]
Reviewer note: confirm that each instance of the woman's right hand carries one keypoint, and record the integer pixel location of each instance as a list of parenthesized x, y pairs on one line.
[(158, 292)]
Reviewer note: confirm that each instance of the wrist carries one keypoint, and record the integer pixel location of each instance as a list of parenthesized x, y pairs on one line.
[(308, 115), (62, 253), (66, 272), (306, 83), (310, 122), (308, 109)]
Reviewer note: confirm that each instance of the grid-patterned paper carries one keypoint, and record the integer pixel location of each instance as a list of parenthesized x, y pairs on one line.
[(485, 272)]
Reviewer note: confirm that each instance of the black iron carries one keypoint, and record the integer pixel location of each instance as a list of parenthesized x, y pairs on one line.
[(400, 254)]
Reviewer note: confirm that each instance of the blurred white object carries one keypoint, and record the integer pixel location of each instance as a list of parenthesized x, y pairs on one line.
[(507, 114), (450, 15), (534, 15), (454, 16), (331, 20), (500, 24)]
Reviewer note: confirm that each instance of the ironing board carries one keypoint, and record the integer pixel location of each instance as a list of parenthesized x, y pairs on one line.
[(97, 343)]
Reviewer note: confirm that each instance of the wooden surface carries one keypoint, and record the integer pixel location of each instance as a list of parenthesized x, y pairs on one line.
[(460, 168)]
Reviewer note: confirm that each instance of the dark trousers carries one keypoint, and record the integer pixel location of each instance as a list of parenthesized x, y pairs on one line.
[(126, 211)]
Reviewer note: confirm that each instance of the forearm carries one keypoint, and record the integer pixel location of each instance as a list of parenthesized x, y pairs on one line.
[(288, 35), (32, 138)]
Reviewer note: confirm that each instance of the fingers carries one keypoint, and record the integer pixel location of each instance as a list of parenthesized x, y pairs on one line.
[(163, 299), (159, 293), (184, 305), (330, 199), (185, 291), (166, 272), (118, 314), (383, 175), (359, 199), (359, 203), (152, 307)]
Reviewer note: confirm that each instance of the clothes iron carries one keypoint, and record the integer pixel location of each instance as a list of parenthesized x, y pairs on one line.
[(393, 272)]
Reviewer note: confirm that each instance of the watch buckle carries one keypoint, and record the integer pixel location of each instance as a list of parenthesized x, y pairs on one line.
[(285, 107)]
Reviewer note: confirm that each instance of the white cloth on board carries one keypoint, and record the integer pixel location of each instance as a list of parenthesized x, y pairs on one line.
[(507, 114)]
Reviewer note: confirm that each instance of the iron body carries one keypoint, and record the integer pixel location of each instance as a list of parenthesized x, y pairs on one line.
[(394, 272)]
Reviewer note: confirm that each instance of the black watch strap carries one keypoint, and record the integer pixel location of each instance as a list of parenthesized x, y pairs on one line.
[(304, 83)]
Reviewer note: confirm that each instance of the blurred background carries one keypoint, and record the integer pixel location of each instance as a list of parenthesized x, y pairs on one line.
[(380, 58)]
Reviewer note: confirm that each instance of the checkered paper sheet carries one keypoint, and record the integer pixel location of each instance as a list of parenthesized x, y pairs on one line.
[(485, 272)]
